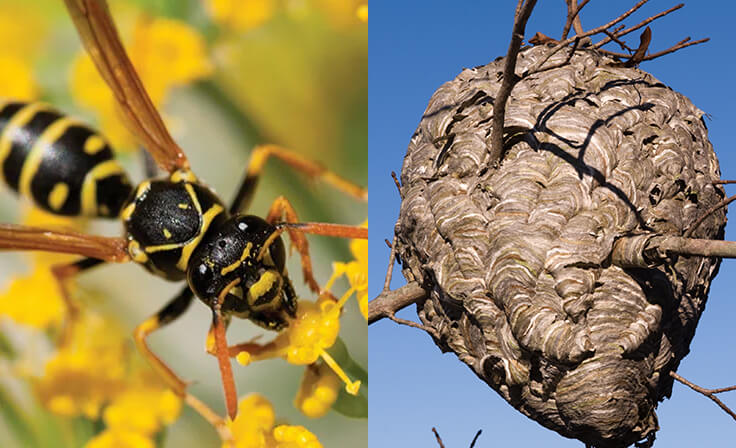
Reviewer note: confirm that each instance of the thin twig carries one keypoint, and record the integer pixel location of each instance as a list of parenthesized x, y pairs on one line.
[(710, 393), (620, 43), (560, 64), (409, 323), (439, 439), (389, 302), (396, 182), (724, 182), (477, 434), (391, 262), (540, 63), (710, 211), (573, 18), (676, 47), (614, 53), (523, 11), (388, 243), (637, 26)]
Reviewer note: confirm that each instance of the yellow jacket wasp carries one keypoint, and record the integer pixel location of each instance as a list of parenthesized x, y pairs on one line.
[(176, 227)]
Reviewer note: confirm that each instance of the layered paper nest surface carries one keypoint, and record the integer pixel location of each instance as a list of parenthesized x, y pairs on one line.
[(517, 258)]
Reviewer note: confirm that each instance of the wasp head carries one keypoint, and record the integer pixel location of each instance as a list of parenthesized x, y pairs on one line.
[(241, 267)]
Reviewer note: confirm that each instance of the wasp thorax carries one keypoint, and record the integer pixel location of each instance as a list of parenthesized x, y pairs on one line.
[(246, 250), (165, 221)]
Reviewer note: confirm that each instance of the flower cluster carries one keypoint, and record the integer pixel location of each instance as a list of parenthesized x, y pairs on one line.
[(255, 428)]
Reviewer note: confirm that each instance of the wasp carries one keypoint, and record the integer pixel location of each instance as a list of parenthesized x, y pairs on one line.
[(176, 227)]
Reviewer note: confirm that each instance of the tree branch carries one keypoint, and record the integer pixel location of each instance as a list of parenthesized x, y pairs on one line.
[(643, 251), (682, 44), (523, 11), (710, 393), (437, 436), (573, 19), (477, 434), (637, 26), (689, 231), (389, 302)]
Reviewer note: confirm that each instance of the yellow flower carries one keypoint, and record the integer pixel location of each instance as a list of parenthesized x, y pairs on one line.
[(87, 372), (166, 53), (16, 79), (34, 299), (362, 13), (343, 12), (119, 439), (295, 437), (253, 428), (318, 390), (23, 29), (22, 32), (306, 339), (241, 15), (356, 272), (144, 406)]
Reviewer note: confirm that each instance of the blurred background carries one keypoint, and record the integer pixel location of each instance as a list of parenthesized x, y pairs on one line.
[(415, 47), (226, 75)]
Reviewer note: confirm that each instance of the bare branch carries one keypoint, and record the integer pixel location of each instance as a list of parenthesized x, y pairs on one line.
[(477, 434), (620, 43), (643, 251), (614, 53), (396, 182), (391, 262), (607, 25), (710, 393), (439, 439), (724, 182), (573, 18), (641, 50), (637, 26), (682, 44), (537, 68), (709, 212), (389, 302), (523, 11)]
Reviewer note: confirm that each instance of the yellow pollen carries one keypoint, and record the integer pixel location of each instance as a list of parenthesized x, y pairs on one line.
[(58, 195)]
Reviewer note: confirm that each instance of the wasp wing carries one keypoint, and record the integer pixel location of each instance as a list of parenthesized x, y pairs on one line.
[(100, 37)]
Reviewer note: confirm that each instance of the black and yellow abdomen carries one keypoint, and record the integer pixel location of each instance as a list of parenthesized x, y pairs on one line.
[(59, 163)]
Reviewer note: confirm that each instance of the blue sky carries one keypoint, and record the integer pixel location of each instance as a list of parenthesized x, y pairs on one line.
[(414, 48)]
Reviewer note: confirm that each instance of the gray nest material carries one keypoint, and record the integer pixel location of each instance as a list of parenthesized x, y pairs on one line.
[(517, 258)]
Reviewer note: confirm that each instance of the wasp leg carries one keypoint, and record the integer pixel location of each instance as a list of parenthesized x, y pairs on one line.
[(283, 215), (63, 273), (258, 160), (172, 311), (282, 210)]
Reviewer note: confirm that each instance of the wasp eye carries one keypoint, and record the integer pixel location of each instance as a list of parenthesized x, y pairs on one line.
[(222, 244), (278, 254)]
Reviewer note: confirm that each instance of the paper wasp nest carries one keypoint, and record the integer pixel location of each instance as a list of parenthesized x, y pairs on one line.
[(517, 259)]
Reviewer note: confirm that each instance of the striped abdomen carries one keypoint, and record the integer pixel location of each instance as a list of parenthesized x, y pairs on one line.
[(60, 164)]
